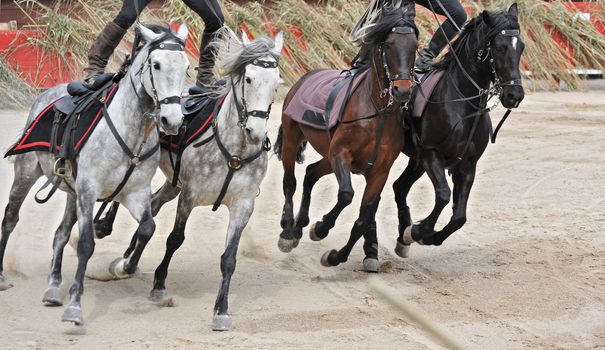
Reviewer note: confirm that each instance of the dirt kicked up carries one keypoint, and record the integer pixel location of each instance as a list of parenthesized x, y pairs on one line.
[(527, 271)]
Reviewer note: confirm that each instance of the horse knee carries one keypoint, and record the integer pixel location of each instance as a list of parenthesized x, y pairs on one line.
[(345, 196), (442, 195), (147, 228), (175, 240), (458, 222)]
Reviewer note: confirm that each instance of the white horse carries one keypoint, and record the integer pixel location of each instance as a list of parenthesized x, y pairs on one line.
[(233, 163), (147, 97)]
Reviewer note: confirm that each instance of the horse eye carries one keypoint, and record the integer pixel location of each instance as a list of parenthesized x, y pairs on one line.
[(248, 80), (156, 65)]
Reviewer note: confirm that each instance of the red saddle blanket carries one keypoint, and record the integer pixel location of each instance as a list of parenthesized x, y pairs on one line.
[(423, 92), (37, 135), (308, 104), (195, 127)]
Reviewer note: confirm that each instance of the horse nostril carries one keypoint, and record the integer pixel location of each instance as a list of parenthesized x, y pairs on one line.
[(164, 120)]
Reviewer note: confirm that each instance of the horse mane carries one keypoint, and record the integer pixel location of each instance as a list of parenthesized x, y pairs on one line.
[(232, 56), (390, 17), (475, 34)]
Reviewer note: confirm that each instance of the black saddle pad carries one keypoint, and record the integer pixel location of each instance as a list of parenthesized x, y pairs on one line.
[(37, 135), (196, 126)]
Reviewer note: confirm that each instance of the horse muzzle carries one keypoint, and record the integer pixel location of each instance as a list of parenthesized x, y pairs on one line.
[(402, 90), (512, 96)]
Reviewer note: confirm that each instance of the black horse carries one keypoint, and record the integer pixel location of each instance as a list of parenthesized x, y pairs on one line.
[(455, 127)]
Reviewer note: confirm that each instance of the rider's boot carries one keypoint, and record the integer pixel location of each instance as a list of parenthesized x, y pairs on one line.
[(205, 75), (101, 50), (424, 62)]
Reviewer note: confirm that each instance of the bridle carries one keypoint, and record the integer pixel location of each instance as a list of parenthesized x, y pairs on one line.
[(391, 78), (157, 44), (242, 109)]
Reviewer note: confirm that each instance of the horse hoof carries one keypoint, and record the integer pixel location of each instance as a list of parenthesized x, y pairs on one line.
[(371, 265), (407, 236), (315, 235), (325, 259), (221, 323), (52, 297), (402, 250), (117, 269), (157, 295), (4, 284), (286, 245), (73, 314)]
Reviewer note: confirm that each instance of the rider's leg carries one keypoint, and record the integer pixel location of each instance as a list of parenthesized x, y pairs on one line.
[(110, 38), (212, 15), (439, 41)]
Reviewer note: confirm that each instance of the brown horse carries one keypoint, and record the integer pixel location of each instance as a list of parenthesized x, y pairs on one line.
[(361, 143)]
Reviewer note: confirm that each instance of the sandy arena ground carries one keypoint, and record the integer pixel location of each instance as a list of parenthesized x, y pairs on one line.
[(526, 272)]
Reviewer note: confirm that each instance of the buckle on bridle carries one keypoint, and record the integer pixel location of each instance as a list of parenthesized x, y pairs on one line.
[(134, 161), (235, 162)]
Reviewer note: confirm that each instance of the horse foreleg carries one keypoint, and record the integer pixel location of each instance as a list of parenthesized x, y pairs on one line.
[(27, 171), (239, 214), (341, 164), (165, 194), (401, 188), (463, 179), (86, 246), (139, 205), (52, 295), (174, 241), (365, 226), (313, 173), (435, 169)]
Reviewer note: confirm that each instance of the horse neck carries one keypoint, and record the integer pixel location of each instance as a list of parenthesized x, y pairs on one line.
[(478, 71), (128, 106)]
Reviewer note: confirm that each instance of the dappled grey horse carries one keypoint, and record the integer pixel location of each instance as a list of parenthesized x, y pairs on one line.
[(147, 97), (229, 167)]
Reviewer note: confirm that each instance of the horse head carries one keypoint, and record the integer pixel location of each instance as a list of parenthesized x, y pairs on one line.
[(395, 39), (503, 51), (162, 67)]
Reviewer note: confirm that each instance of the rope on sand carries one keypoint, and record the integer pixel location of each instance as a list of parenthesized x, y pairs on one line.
[(390, 295)]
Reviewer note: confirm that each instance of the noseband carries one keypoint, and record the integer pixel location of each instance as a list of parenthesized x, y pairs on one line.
[(158, 44), (242, 109), (407, 75)]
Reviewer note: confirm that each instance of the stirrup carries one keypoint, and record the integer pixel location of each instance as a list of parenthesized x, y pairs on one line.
[(62, 168)]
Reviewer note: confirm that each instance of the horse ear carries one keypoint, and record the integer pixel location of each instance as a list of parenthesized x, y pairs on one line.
[(279, 43), (147, 34), (182, 32), (245, 39), (513, 10), (486, 17), (409, 9)]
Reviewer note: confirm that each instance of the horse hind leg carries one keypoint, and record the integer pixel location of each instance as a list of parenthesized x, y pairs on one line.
[(313, 173), (52, 295), (291, 140), (27, 171)]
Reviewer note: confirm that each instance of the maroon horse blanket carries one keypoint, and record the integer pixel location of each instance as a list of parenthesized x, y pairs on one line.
[(37, 136), (308, 104)]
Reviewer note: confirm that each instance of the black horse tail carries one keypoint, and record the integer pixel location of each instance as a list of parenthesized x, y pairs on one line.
[(277, 146)]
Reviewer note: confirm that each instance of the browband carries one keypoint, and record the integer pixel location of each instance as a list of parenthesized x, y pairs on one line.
[(265, 64), (403, 30), (510, 32)]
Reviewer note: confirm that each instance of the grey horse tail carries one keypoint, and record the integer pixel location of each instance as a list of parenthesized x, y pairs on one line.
[(277, 145)]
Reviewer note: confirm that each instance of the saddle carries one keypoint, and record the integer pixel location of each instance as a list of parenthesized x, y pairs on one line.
[(63, 127), (422, 92)]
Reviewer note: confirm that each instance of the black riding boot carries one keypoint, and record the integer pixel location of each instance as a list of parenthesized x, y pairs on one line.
[(101, 50), (424, 62), (205, 74)]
